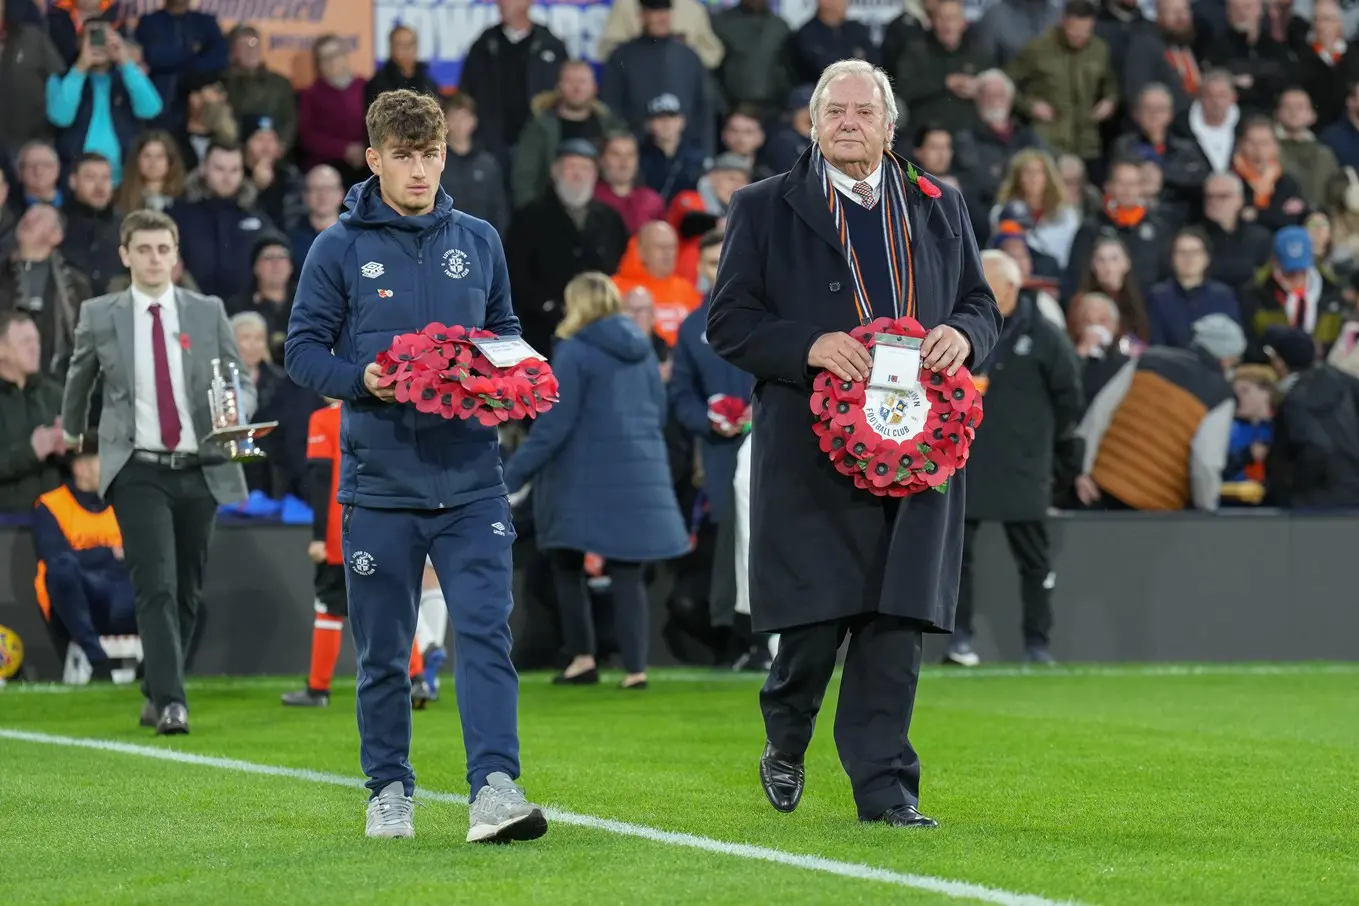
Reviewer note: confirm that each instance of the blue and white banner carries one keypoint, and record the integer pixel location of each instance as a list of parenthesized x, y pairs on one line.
[(447, 28)]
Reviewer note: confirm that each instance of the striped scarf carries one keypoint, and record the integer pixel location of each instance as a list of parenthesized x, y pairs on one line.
[(895, 233)]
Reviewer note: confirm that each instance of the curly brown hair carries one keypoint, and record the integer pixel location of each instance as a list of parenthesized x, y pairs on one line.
[(405, 118)]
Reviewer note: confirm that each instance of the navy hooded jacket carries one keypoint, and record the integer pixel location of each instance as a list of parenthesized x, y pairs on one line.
[(597, 459), (370, 277)]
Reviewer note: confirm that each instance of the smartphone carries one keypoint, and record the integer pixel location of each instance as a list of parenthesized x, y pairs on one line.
[(98, 35)]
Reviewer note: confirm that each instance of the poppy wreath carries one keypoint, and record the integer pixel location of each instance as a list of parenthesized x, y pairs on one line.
[(442, 372), (902, 467)]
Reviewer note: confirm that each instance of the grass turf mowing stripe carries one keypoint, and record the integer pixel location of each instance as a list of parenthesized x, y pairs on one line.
[(955, 889), (689, 675)]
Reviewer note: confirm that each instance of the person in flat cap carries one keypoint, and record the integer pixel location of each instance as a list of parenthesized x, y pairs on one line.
[(670, 161), (1157, 433), (562, 233), (1292, 293), (699, 211), (1313, 460)]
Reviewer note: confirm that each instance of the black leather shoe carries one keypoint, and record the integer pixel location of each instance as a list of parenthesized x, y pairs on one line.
[(782, 777), (584, 678), (904, 816), (174, 720), (149, 714)]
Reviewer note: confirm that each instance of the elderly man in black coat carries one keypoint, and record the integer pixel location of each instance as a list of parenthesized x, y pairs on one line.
[(1032, 387), (827, 560)]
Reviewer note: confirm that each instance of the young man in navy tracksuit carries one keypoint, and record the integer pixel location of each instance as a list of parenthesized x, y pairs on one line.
[(414, 484)]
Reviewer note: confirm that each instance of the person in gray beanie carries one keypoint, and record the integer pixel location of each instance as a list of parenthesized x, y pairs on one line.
[(1156, 435), (1221, 337)]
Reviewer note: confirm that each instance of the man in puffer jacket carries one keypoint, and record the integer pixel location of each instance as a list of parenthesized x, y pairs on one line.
[(414, 485)]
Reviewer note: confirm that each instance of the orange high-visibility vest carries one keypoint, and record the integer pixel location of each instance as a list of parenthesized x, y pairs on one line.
[(83, 530)]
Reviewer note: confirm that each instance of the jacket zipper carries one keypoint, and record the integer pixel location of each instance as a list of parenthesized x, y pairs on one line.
[(420, 298)]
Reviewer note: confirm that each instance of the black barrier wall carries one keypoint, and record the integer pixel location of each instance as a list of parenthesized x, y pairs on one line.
[(1129, 587)]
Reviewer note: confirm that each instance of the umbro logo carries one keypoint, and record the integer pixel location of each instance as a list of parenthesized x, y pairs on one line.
[(372, 270), (498, 528)]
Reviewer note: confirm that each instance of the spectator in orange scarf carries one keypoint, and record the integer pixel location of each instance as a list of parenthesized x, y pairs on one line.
[(653, 268)]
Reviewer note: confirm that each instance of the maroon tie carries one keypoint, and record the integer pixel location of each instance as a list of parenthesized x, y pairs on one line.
[(165, 390)]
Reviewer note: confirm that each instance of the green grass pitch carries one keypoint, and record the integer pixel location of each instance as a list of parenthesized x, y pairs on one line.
[(1191, 785)]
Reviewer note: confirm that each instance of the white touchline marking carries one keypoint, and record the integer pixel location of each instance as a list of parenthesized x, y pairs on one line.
[(957, 889), (688, 675)]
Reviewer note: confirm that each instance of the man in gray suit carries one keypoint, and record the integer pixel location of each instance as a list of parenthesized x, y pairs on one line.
[(154, 344)]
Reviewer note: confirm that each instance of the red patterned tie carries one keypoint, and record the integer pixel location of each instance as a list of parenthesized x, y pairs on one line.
[(865, 193), (165, 390)]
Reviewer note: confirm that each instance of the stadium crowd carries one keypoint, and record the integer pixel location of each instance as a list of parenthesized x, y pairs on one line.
[(1187, 179)]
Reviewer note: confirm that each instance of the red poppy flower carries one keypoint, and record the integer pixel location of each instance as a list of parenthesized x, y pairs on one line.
[(852, 392), (962, 394), (476, 385), (845, 414), (861, 444), (451, 397), (833, 443), (927, 188), (898, 490), (184, 342), (882, 468), (413, 389), (491, 416), (909, 327), (861, 482), (480, 333), (933, 474), (821, 406)]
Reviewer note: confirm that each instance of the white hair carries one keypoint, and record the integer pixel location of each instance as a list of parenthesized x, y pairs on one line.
[(250, 319), (1231, 179), (998, 76), (1007, 266), (1110, 306), (856, 68)]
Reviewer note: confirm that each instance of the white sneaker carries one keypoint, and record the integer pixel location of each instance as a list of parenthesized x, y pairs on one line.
[(391, 813), (501, 813)]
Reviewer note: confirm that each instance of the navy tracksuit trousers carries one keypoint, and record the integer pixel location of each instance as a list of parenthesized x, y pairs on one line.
[(470, 547)]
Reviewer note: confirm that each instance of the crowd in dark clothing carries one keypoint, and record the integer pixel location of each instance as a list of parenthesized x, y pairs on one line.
[(1143, 174)]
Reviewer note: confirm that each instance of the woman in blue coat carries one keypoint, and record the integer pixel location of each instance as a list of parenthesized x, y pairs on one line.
[(601, 478)]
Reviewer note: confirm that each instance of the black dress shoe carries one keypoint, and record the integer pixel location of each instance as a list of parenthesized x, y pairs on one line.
[(782, 777), (904, 816), (174, 720), (584, 678), (149, 714)]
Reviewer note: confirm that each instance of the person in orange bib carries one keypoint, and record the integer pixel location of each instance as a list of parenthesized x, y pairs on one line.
[(82, 579), (332, 601)]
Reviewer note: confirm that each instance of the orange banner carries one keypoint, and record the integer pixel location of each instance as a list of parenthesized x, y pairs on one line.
[(288, 28)]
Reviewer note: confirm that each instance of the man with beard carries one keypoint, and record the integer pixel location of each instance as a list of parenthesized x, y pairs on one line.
[(1164, 54), (573, 110), (982, 154), (565, 232)]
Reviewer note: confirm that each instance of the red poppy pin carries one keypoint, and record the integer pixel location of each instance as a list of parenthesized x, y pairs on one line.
[(922, 182), (184, 342), (384, 294)]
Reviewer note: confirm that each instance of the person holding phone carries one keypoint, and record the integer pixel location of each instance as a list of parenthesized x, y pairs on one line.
[(103, 101)]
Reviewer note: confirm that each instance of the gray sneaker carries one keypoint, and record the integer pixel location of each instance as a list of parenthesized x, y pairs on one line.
[(391, 812), (501, 813)]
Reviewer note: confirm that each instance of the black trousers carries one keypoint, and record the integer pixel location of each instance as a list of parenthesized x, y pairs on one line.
[(1033, 554), (630, 607), (166, 516), (873, 715)]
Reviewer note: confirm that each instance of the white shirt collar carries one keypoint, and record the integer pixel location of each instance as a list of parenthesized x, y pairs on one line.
[(143, 302), (845, 183)]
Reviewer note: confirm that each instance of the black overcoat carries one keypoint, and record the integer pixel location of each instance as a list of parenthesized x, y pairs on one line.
[(1031, 407), (820, 548)]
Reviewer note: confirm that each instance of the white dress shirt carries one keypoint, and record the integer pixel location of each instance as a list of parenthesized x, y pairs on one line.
[(845, 184), (144, 364)]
